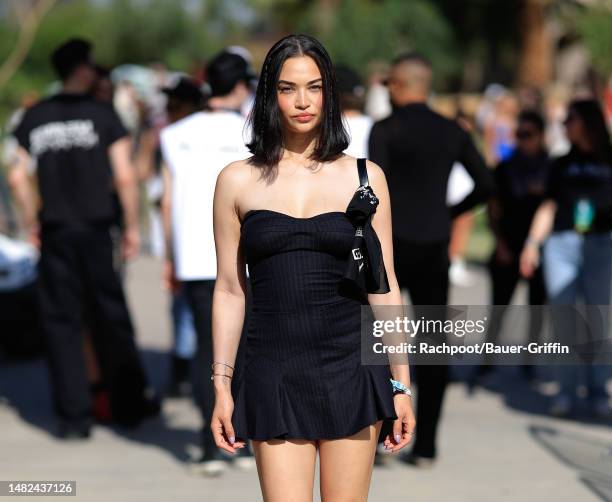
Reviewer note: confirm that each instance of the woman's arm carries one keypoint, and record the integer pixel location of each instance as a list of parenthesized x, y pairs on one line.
[(229, 298), (541, 226), (381, 222), (391, 304)]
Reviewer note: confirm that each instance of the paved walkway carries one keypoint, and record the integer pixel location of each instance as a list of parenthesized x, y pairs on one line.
[(496, 444)]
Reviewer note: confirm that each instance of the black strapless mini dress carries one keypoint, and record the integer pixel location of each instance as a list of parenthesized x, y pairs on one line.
[(302, 375)]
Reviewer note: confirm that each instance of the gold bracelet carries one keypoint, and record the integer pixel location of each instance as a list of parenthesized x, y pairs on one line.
[(224, 370), (217, 362), (220, 374)]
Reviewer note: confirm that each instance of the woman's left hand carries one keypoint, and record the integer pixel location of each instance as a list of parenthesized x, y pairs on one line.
[(403, 427)]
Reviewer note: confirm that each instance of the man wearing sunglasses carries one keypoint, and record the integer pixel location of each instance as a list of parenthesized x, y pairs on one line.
[(417, 148)]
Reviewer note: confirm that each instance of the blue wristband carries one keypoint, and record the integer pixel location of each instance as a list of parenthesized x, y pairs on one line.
[(400, 387)]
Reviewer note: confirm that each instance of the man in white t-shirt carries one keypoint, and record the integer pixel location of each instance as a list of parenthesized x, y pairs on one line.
[(195, 150)]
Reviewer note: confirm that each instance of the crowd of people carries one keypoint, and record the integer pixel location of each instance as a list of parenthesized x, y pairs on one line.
[(548, 193)]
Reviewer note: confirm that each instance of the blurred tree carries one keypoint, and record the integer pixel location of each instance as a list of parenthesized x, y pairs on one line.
[(536, 52), (29, 15), (156, 31), (485, 35), (471, 42), (359, 31), (595, 27), (176, 33), (539, 19)]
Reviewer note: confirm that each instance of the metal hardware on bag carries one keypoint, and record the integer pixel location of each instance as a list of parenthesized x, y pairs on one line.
[(366, 191)]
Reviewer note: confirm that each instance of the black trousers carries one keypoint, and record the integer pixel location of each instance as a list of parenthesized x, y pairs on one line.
[(504, 279), (200, 296), (422, 268), (77, 280)]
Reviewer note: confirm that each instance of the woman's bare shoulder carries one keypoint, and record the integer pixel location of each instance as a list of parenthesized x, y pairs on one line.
[(235, 175), (375, 173), (347, 164)]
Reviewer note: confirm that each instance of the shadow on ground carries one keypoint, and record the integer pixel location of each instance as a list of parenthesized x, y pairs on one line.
[(24, 387), (590, 458)]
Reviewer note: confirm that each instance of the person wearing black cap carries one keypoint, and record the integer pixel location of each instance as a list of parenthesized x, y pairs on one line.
[(78, 149), (183, 99), (352, 101), (229, 77), (195, 149)]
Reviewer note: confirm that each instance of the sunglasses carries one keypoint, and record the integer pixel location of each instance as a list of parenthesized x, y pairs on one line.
[(390, 80), (525, 134)]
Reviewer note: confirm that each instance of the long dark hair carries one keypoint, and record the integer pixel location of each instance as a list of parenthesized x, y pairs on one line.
[(266, 142), (591, 115)]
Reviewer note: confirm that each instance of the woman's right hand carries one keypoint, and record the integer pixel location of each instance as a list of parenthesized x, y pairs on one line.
[(404, 426), (221, 424)]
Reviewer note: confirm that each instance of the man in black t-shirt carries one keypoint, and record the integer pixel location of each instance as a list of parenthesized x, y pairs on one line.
[(77, 150)]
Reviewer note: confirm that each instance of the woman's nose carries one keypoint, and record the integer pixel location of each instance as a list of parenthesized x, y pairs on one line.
[(301, 101)]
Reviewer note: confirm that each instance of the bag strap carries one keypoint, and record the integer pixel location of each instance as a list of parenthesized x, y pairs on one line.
[(363, 172)]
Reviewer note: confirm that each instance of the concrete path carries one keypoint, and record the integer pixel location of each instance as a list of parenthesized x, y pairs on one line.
[(496, 444)]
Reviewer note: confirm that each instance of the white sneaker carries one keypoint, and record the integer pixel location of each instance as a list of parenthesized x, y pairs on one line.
[(459, 275), (561, 406), (245, 463), (211, 464), (244, 459)]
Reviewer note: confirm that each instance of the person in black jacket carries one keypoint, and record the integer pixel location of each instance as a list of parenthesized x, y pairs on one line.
[(417, 147), (521, 187)]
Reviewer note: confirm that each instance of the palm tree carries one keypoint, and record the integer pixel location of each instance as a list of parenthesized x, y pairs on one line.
[(536, 53)]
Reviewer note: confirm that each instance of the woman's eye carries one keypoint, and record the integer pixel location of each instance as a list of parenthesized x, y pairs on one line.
[(284, 89), (316, 87)]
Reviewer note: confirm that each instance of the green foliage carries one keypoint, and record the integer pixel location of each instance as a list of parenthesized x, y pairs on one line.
[(358, 31), (180, 33), (365, 30), (595, 27), (175, 32)]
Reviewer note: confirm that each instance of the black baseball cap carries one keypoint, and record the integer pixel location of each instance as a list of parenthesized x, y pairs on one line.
[(225, 70), (348, 81), (70, 55), (185, 89)]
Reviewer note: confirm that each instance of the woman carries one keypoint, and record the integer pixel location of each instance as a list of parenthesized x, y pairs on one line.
[(282, 211), (576, 222)]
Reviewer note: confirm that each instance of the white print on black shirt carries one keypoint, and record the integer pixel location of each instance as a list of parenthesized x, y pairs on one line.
[(594, 171), (63, 136)]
